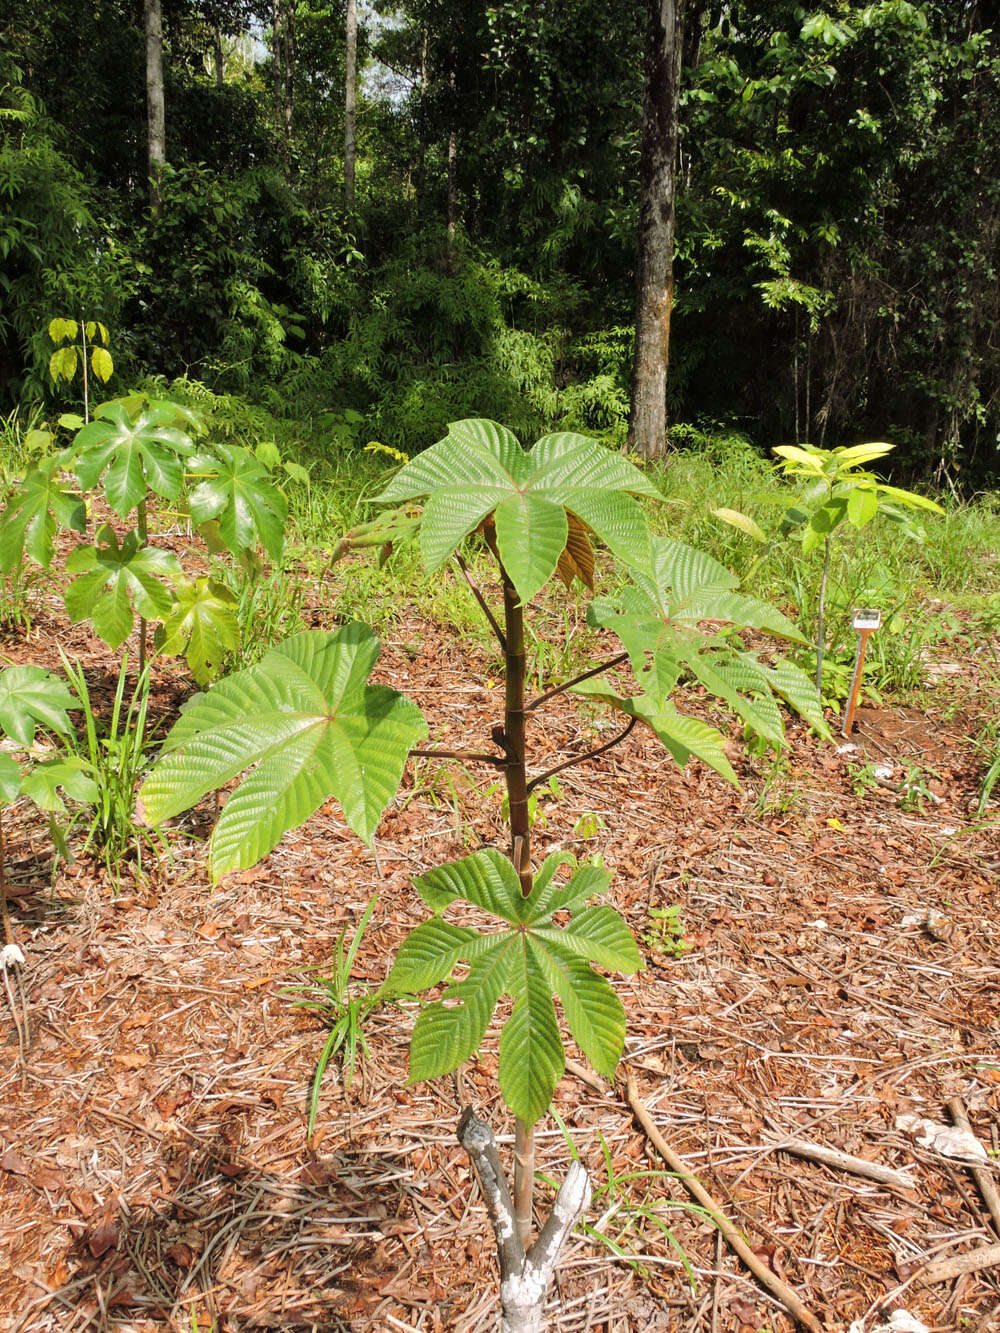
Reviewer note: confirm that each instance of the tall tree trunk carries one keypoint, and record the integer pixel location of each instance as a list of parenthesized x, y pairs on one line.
[(288, 58), (350, 100), (452, 174), (220, 57), (654, 288), (422, 123), (282, 66), (156, 119)]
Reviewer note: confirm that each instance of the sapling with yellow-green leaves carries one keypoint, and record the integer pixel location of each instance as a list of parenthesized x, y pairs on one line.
[(838, 489), (305, 724)]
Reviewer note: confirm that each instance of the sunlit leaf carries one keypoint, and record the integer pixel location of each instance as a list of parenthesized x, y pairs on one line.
[(300, 726), (529, 958)]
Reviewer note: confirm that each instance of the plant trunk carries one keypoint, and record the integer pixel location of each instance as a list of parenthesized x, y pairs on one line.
[(647, 432), (156, 117), (421, 185), (6, 931), (525, 1274), (350, 100), (142, 527), (821, 614), (515, 748), (452, 174), (282, 67), (83, 367), (220, 58)]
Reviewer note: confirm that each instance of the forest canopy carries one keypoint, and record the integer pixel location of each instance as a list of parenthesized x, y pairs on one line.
[(460, 239)]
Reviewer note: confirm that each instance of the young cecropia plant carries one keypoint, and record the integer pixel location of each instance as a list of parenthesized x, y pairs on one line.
[(304, 724)]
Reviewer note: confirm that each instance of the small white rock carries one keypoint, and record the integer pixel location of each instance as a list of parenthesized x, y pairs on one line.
[(847, 748), (883, 771), (900, 1321)]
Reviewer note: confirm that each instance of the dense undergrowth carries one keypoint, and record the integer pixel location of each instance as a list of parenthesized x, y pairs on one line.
[(934, 578)]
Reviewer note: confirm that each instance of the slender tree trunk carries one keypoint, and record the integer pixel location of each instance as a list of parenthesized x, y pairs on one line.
[(156, 135), (220, 59), (288, 58), (452, 175), (350, 101), (422, 123), (515, 746), (282, 66), (654, 287)]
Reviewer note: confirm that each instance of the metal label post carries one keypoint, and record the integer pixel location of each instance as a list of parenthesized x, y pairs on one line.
[(865, 620)]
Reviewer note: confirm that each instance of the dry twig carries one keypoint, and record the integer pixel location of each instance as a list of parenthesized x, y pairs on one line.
[(764, 1275)]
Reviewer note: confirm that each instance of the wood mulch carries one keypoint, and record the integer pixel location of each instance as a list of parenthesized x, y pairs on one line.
[(841, 970)]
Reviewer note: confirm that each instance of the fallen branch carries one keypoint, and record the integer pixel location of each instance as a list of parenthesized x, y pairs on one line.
[(524, 1277), (983, 1178), (943, 1270), (841, 1161), (764, 1275)]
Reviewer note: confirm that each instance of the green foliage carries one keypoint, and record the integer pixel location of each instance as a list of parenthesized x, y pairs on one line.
[(529, 961), (237, 497), (132, 448), (659, 620), (110, 579), (666, 931), (331, 997), (113, 758), (30, 697), (64, 361), (200, 625), (479, 471), (308, 726), (838, 491), (29, 522)]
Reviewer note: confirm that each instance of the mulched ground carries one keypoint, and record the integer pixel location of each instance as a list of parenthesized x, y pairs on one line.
[(842, 971)]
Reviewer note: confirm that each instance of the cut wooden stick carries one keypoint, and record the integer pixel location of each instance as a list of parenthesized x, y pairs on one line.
[(764, 1275), (983, 1178), (841, 1161), (943, 1270)]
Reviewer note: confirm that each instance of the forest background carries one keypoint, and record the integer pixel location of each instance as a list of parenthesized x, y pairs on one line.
[(463, 240)]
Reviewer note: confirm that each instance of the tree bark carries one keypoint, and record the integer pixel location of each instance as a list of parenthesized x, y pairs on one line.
[(525, 1273), (350, 100), (452, 174), (219, 56), (282, 66), (156, 117), (654, 286)]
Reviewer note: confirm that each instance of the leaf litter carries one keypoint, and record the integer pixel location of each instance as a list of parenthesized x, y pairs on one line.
[(154, 1171)]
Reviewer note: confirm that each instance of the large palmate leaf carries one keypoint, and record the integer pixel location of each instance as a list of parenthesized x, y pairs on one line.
[(32, 697), (665, 620), (542, 501), (202, 625), (111, 577), (133, 454), (236, 494), (529, 958), (29, 522), (301, 725), (66, 775)]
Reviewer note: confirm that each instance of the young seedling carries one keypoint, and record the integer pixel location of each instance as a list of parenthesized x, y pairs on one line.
[(73, 342), (838, 489), (304, 725)]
